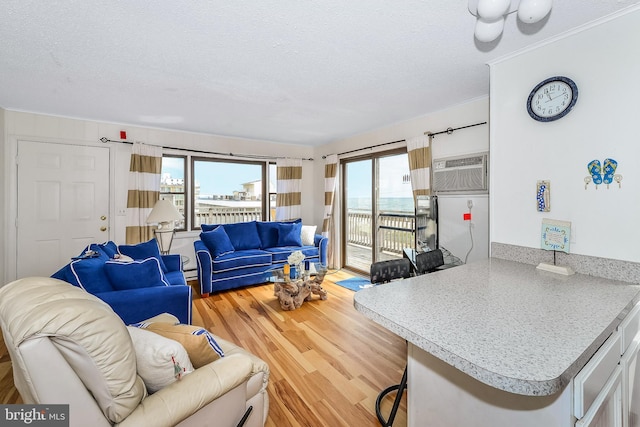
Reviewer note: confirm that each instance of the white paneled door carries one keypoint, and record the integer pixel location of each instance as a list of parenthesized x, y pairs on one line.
[(63, 204)]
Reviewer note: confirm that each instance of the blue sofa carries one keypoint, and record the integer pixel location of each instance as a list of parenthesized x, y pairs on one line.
[(135, 280), (240, 254)]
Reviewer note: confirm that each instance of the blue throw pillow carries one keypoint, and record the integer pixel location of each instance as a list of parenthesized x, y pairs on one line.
[(217, 242), (108, 248), (243, 235), (208, 227), (62, 274), (268, 231), (289, 234), (135, 274), (98, 252), (89, 274), (143, 251)]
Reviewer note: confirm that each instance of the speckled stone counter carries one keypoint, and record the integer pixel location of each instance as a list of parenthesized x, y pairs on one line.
[(504, 323)]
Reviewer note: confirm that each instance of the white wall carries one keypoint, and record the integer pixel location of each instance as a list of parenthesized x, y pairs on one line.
[(464, 239), (466, 141), (43, 128), (603, 61)]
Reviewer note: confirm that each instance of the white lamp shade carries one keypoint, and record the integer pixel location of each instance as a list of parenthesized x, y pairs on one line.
[(531, 11), (163, 211), (488, 31), (491, 10)]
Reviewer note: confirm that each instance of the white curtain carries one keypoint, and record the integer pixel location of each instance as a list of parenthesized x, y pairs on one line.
[(419, 154), (144, 190), (289, 189), (328, 225)]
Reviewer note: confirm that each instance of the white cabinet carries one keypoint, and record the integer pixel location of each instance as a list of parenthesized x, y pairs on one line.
[(606, 410), (590, 383), (631, 385), (630, 330), (607, 389)]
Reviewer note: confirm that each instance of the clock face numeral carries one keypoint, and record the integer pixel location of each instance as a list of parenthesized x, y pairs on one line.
[(552, 99)]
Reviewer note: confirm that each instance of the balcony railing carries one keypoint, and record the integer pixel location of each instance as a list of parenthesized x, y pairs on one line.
[(226, 215), (395, 231)]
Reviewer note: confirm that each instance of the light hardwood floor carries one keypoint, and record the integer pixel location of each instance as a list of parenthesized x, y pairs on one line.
[(328, 362)]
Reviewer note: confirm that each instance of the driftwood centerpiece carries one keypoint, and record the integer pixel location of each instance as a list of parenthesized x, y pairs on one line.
[(292, 293)]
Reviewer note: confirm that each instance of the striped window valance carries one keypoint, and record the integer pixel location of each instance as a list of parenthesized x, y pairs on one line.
[(419, 153), (289, 189), (144, 190), (328, 226)]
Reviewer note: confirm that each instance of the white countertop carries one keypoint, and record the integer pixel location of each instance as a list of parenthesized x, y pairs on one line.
[(504, 323)]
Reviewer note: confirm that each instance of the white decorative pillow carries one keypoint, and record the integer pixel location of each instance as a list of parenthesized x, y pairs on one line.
[(308, 234), (160, 361)]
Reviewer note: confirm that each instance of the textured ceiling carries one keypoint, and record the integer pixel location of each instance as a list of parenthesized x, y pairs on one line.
[(295, 71)]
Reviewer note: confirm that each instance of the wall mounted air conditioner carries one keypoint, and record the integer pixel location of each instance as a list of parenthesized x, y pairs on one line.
[(462, 174)]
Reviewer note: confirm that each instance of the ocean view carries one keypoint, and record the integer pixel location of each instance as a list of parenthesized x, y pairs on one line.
[(387, 204)]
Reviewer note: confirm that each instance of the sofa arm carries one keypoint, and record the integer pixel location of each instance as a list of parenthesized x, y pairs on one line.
[(176, 402), (173, 262), (321, 243), (205, 267), (136, 305)]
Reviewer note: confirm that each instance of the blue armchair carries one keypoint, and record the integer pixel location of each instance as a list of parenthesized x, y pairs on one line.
[(135, 280)]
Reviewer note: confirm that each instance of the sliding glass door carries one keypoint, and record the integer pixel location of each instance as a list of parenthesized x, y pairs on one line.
[(378, 209), (358, 207)]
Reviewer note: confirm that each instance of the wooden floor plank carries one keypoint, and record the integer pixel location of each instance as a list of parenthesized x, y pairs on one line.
[(328, 362)]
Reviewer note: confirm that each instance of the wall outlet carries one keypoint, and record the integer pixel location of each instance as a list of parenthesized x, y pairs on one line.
[(470, 203), (121, 212)]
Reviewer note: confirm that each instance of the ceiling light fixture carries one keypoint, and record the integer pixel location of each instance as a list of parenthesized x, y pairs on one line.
[(491, 15)]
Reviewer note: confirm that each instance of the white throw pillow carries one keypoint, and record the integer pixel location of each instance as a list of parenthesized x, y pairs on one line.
[(307, 234), (160, 361)]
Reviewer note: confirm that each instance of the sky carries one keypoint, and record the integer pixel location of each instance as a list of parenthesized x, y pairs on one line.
[(217, 177), (392, 168)]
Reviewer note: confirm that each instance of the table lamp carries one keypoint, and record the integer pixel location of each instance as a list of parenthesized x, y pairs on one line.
[(164, 213)]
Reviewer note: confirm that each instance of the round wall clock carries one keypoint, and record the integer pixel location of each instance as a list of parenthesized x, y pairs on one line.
[(552, 99)]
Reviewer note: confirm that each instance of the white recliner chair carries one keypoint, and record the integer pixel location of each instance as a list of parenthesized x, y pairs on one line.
[(69, 347)]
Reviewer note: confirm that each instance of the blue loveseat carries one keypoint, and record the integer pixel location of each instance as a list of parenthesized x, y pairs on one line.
[(135, 280), (240, 254)]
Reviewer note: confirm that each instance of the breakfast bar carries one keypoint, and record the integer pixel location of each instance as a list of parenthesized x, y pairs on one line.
[(498, 340)]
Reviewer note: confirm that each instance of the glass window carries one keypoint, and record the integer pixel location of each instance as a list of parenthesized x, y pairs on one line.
[(172, 185), (227, 191)]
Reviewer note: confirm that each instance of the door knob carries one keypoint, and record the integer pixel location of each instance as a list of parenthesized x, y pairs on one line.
[(103, 217), (103, 228)]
